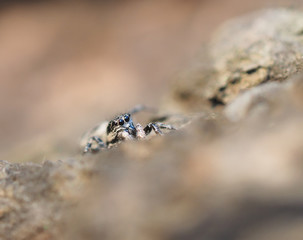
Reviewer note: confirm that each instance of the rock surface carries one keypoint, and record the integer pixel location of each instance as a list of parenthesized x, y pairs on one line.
[(234, 174)]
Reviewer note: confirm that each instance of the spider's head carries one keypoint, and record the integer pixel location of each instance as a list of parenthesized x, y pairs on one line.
[(123, 123)]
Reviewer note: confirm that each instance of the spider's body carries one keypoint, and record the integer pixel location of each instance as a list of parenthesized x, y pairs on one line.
[(121, 128)]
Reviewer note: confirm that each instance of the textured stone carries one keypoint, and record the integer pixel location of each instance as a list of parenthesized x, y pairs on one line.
[(211, 179), (245, 52)]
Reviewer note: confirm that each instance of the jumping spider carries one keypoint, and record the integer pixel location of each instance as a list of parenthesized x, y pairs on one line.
[(110, 133)]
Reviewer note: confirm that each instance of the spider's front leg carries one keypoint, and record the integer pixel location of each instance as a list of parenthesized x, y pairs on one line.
[(89, 144), (156, 127), (140, 108), (140, 133)]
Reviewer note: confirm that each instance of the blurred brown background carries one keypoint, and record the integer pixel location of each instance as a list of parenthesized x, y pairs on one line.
[(65, 65)]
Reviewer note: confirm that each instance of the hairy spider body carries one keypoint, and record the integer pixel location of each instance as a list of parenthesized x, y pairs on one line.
[(110, 133)]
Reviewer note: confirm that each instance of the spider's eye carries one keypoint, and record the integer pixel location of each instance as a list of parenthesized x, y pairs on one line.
[(126, 118), (121, 122)]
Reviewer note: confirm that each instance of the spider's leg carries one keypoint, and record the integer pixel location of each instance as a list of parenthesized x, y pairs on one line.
[(90, 141), (152, 126), (166, 126), (140, 133), (157, 128), (140, 108)]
